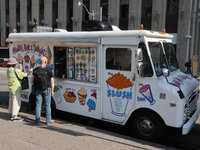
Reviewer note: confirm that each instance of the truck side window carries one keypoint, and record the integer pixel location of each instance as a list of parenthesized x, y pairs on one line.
[(118, 59), (147, 69), (60, 62)]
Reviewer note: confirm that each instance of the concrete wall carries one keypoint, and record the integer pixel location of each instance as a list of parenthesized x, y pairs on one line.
[(62, 14), (23, 16), (48, 13), (158, 19), (78, 15), (95, 5), (136, 9), (35, 11), (114, 10), (184, 23), (3, 22), (12, 15)]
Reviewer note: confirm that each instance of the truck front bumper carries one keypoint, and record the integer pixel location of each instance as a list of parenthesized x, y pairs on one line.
[(188, 126)]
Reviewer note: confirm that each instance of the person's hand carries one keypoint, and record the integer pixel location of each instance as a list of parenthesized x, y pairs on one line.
[(20, 67), (31, 69), (52, 93)]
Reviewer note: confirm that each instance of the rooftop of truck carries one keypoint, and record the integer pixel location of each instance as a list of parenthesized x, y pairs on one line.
[(63, 34)]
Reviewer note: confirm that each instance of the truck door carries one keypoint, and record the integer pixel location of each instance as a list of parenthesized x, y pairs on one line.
[(118, 82)]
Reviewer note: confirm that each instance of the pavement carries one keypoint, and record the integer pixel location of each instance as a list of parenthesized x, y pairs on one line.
[(63, 135)]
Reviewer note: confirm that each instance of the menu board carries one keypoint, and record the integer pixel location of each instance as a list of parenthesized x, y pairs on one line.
[(70, 63), (85, 60), (92, 64)]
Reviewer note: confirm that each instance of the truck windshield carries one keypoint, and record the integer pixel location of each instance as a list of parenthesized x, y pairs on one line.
[(158, 57), (171, 56)]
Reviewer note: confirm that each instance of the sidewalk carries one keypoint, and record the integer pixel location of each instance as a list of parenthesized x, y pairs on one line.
[(63, 135)]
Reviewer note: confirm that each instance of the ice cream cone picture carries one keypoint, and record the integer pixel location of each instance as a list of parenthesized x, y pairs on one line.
[(82, 96), (145, 90), (32, 62), (48, 55), (20, 58), (26, 58), (91, 103)]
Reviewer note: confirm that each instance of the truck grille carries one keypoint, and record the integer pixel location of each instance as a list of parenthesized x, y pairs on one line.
[(192, 103)]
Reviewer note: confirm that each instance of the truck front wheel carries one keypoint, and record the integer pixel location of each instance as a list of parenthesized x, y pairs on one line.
[(146, 125)]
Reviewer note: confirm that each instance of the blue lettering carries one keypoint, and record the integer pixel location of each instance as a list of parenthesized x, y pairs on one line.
[(124, 94), (141, 99), (119, 93), (113, 93), (93, 90), (129, 95), (109, 93)]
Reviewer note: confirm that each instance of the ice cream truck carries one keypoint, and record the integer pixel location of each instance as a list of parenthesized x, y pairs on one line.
[(113, 75)]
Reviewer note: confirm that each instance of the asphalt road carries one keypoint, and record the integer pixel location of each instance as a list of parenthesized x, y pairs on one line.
[(172, 137)]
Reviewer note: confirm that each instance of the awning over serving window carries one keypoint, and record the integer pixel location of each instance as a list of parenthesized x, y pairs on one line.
[(96, 40)]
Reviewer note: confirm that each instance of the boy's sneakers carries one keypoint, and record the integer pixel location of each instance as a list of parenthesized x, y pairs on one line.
[(17, 119), (49, 123)]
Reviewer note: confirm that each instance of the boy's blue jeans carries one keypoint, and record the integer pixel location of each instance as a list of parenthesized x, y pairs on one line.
[(46, 95)]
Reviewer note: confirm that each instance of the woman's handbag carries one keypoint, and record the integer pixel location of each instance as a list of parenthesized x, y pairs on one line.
[(33, 89), (24, 82)]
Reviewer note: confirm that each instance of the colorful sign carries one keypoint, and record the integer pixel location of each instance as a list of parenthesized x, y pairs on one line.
[(119, 92), (145, 90)]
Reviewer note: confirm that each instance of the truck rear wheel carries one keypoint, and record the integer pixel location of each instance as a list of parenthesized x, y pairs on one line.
[(147, 126)]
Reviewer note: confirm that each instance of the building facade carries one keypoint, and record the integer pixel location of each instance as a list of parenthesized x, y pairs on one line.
[(179, 17)]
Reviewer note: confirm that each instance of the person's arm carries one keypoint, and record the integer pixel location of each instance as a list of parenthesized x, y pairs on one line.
[(52, 86), (26, 74), (32, 79)]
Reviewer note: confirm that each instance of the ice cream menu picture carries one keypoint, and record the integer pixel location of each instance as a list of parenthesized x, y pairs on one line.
[(85, 64), (81, 63), (29, 55), (70, 62), (92, 61)]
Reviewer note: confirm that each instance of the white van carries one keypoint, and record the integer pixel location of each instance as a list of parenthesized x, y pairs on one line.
[(116, 76)]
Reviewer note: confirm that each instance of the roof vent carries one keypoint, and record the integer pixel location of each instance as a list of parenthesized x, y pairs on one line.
[(115, 28), (95, 25), (60, 30), (42, 29)]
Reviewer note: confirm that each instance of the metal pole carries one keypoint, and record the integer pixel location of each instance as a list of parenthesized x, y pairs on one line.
[(100, 14)]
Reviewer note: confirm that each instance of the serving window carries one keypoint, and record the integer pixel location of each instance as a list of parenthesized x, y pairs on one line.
[(75, 63)]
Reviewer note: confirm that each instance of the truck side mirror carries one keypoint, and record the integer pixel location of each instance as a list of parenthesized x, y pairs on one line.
[(139, 54), (140, 66), (165, 72)]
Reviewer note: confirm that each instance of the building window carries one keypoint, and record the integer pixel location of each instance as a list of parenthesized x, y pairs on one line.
[(18, 14), (172, 16), (86, 16), (124, 11), (7, 18), (104, 5), (69, 14), (41, 12), (29, 8), (146, 14), (55, 13)]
